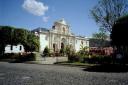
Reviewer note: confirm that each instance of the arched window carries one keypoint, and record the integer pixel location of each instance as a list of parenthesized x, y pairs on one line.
[(62, 45), (63, 42)]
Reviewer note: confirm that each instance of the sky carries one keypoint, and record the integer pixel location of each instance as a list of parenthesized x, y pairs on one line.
[(31, 14)]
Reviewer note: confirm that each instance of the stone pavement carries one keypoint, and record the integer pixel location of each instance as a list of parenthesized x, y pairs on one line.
[(33, 74)]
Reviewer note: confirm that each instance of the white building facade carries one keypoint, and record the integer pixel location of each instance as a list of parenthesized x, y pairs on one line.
[(59, 36)]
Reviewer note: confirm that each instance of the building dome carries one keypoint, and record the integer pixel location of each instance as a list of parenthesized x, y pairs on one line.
[(62, 21)]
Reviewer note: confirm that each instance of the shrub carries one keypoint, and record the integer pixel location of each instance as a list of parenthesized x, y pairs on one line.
[(46, 52), (9, 56), (27, 57), (19, 57), (62, 51), (99, 59), (73, 58)]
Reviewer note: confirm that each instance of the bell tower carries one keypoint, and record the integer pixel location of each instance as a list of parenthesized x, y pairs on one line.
[(61, 26)]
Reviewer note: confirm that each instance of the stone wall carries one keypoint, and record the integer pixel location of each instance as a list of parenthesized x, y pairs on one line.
[(51, 60)]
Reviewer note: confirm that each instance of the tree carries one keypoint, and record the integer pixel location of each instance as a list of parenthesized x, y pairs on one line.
[(100, 35), (62, 51), (20, 36), (26, 38), (69, 50), (120, 32), (106, 12), (5, 37), (83, 51), (32, 42), (13, 36), (100, 38), (46, 52), (119, 38)]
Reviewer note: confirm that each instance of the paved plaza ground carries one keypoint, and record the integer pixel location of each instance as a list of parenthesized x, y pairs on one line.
[(34, 74)]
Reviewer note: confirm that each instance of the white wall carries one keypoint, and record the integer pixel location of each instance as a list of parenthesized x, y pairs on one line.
[(15, 49), (78, 44), (8, 49), (51, 60), (43, 41), (87, 43)]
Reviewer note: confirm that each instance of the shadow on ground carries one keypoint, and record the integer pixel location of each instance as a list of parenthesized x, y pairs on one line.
[(113, 68)]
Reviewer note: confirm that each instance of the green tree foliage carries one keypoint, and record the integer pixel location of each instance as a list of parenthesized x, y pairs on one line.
[(20, 36), (98, 43), (100, 37), (62, 51), (69, 51), (5, 34), (106, 12), (5, 37), (46, 52), (119, 38), (32, 42), (120, 32), (13, 36), (83, 50)]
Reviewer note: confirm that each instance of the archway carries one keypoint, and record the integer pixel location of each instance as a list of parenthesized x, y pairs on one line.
[(63, 43), (54, 47)]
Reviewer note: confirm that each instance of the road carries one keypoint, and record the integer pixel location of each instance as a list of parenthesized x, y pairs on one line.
[(33, 74)]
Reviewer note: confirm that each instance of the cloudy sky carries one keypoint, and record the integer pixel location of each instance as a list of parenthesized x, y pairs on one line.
[(31, 14)]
